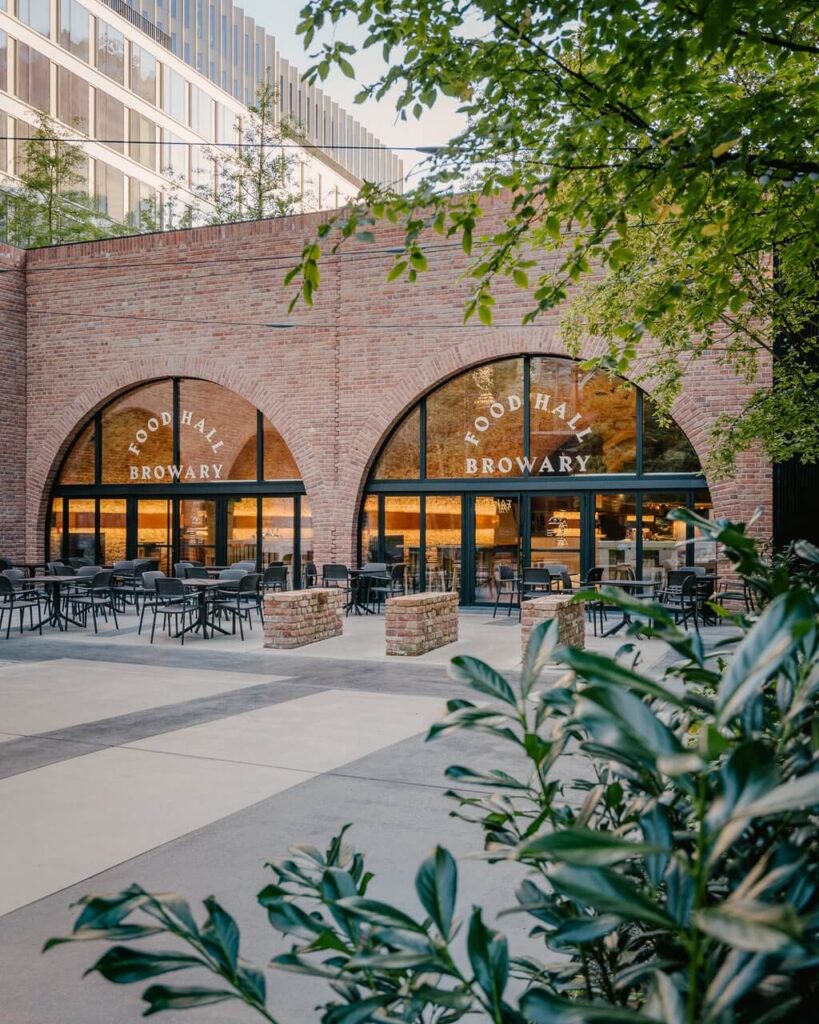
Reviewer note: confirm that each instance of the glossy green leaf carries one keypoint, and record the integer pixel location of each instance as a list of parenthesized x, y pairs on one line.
[(164, 997), (752, 926), (489, 956), (374, 912), (580, 930), (542, 1007), (584, 847), (797, 795), (437, 885), (123, 966), (479, 676), (539, 648), (608, 892)]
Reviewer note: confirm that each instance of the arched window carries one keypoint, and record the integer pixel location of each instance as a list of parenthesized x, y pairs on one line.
[(179, 469), (529, 461)]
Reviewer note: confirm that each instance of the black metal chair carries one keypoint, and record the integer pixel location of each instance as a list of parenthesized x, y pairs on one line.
[(535, 582), (386, 585), (238, 602), (507, 585), (681, 596), (148, 592), (173, 602), (196, 572), (13, 600), (96, 597), (248, 565), (179, 569), (334, 575), (274, 578), (310, 575)]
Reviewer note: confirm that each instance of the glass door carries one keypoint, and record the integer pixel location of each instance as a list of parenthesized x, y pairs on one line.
[(242, 530), (497, 542), (555, 531), (197, 530), (153, 518)]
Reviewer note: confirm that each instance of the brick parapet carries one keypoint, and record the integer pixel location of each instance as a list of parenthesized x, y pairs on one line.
[(417, 623), (13, 408), (296, 618), (571, 623)]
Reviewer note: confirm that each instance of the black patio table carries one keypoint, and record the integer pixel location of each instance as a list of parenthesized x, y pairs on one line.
[(357, 601), (57, 616), (202, 587), (628, 585)]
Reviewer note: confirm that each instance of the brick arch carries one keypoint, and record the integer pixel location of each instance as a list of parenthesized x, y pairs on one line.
[(68, 420), (449, 362)]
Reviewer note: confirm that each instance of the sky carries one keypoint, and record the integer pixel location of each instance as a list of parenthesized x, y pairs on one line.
[(435, 127)]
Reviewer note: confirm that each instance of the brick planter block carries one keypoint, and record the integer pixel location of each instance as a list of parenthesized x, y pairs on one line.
[(571, 623), (417, 623), (298, 617)]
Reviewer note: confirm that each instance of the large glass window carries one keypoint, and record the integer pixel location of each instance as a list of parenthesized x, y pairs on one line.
[(663, 538), (137, 437), (154, 532), (174, 157), (497, 542), (82, 517), (555, 531), (615, 533), (197, 531), (72, 99), (401, 458), (110, 51), (242, 529), (368, 529), (4, 66), (143, 73), (74, 33), (277, 531), (33, 78), (110, 120), (55, 529), (142, 140), (475, 423), (402, 531), (36, 14), (442, 543), (306, 531), (217, 432), (201, 113), (109, 190), (112, 530), (666, 449), (173, 93)]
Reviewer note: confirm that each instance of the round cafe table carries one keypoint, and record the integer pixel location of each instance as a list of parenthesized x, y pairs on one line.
[(57, 616)]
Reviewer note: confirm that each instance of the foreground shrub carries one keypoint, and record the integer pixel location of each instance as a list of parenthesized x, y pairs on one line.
[(676, 882)]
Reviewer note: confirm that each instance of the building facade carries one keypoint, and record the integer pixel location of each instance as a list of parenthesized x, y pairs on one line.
[(163, 404), (149, 91)]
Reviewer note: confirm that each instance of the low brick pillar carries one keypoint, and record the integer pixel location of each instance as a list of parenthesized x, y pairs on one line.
[(293, 618), (417, 623), (571, 622)]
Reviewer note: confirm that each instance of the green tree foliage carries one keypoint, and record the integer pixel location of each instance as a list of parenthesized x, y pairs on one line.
[(259, 177), (675, 880), (50, 202), (673, 143)]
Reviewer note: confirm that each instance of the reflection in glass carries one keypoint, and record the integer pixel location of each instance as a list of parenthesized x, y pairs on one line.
[(78, 467), (663, 539), (666, 449), (615, 533), (475, 423), (306, 531), (110, 51), (497, 542), (705, 551), (242, 529), (401, 457), (137, 436), (112, 530), (217, 432), (55, 529), (277, 532), (81, 527), (555, 532), (197, 531), (443, 542), (402, 534), (279, 463), (154, 532), (581, 422), (369, 529)]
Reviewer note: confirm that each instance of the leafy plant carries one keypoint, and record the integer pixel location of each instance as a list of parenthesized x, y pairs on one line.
[(677, 881)]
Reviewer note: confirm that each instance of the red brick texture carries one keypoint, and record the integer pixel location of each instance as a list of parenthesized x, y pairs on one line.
[(417, 623), (296, 618), (103, 316), (13, 406), (571, 624)]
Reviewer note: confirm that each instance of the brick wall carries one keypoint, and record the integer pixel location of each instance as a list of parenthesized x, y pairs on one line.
[(417, 623), (298, 617), (571, 623), (13, 405), (103, 316)]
